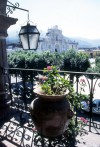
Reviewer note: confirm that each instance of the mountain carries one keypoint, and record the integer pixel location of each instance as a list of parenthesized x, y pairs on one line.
[(83, 42), (12, 39)]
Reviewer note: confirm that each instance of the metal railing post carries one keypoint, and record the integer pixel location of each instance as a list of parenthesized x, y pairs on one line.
[(91, 98)]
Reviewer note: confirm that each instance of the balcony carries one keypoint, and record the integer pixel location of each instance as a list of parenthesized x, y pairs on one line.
[(17, 127)]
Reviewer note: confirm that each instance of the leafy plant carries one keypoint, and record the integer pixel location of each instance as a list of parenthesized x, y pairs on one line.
[(55, 84)]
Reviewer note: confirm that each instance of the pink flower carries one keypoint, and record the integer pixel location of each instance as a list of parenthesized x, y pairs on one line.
[(82, 80), (44, 78), (49, 67), (83, 120)]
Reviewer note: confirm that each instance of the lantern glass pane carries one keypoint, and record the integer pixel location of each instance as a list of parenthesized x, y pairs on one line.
[(33, 39), (24, 41)]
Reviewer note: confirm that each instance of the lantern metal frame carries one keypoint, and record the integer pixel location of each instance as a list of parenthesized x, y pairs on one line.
[(28, 32)]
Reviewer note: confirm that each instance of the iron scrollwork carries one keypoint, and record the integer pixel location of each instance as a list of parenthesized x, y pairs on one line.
[(11, 7)]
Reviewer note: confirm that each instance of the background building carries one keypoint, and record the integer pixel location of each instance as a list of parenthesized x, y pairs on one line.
[(55, 41)]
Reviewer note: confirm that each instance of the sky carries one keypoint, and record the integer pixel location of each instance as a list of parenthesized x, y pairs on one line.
[(76, 18)]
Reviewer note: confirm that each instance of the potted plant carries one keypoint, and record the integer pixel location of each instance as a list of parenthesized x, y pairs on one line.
[(51, 111)]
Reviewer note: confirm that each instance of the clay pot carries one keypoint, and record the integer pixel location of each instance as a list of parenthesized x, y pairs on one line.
[(51, 114)]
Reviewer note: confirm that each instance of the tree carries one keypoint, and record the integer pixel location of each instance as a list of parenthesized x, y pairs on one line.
[(75, 61), (34, 60), (96, 68)]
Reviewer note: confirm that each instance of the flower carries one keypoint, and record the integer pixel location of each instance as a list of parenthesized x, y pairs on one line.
[(49, 67), (42, 78), (83, 120), (82, 84), (53, 83), (82, 81)]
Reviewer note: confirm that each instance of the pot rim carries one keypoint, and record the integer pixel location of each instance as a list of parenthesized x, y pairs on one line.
[(51, 97), (42, 95)]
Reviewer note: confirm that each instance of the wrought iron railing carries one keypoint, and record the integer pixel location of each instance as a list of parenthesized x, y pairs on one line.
[(20, 90), (21, 83)]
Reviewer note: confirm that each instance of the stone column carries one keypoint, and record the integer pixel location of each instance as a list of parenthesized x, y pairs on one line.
[(5, 23)]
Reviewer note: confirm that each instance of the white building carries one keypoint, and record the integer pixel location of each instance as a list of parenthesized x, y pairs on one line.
[(55, 41)]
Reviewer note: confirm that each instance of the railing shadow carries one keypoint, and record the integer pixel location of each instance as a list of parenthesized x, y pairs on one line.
[(25, 135)]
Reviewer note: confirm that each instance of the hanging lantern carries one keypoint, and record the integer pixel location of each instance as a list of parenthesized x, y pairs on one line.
[(29, 36)]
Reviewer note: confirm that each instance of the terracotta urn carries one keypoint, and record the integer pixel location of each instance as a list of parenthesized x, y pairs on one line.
[(51, 114)]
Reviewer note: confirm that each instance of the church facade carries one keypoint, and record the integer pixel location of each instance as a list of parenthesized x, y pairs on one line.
[(55, 41)]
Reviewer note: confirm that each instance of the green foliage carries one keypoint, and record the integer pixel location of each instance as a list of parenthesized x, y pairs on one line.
[(55, 83), (96, 68), (97, 61), (16, 60), (71, 133), (75, 61), (93, 70), (73, 130), (70, 60), (33, 60)]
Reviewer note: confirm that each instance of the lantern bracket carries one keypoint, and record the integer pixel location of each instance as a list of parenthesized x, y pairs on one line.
[(12, 7)]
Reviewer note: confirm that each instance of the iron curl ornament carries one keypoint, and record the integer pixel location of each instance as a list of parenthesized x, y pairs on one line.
[(11, 7)]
